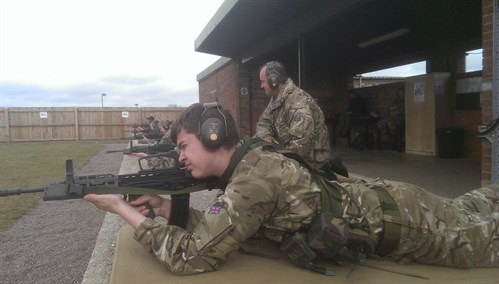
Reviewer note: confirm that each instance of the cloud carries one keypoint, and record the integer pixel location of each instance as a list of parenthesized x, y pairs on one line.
[(67, 53), (120, 92)]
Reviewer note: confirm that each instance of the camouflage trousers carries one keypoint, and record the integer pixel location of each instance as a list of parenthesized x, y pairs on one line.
[(460, 232)]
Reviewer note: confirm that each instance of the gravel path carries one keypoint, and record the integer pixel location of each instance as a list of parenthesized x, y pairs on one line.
[(68, 241), (53, 243)]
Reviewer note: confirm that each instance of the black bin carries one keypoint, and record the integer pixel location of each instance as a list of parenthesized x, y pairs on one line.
[(450, 142)]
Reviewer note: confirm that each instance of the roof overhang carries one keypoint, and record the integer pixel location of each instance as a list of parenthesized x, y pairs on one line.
[(354, 34), (247, 28)]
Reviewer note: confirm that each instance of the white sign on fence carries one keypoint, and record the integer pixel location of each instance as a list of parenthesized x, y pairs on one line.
[(43, 114), (124, 114)]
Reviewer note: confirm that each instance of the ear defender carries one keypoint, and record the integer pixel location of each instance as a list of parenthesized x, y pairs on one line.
[(273, 77), (212, 131)]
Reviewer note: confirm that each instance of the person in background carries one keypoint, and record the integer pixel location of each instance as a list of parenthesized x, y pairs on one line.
[(159, 161), (292, 118), (152, 130), (357, 108), (393, 122)]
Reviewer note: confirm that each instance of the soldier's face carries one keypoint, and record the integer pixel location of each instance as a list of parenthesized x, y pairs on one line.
[(264, 84), (194, 156)]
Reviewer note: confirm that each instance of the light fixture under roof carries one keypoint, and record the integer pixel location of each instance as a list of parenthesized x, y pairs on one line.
[(383, 38)]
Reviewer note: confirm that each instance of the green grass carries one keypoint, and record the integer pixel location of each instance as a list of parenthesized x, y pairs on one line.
[(36, 164)]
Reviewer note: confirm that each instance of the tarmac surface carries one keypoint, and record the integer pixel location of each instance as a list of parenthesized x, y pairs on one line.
[(446, 177)]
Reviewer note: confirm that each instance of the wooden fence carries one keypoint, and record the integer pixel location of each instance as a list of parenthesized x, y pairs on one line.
[(78, 123)]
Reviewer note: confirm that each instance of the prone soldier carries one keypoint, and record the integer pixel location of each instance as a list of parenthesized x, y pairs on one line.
[(159, 160), (269, 191)]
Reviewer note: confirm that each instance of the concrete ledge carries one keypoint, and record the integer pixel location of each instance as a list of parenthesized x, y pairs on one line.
[(101, 261)]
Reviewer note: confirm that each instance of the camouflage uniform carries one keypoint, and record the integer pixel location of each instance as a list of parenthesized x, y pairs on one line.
[(294, 120), (460, 232), (162, 162), (394, 120), (278, 196)]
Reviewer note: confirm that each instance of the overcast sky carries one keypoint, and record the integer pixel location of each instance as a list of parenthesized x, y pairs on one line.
[(69, 52), (137, 52)]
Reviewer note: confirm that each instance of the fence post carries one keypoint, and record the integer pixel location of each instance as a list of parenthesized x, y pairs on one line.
[(7, 125), (77, 127)]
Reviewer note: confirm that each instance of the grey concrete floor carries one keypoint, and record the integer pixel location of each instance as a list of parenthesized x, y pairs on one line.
[(445, 177)]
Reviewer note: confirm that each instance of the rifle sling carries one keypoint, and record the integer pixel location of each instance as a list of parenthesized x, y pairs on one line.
[(390, 236)]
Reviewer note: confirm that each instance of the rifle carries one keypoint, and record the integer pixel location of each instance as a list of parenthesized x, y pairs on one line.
[(154, 136), (143, 125), (135, 132), (150, 149), (144, 131), (173, 181), (133, 137)]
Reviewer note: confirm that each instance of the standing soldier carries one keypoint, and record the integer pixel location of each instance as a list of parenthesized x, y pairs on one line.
[(292, 118)]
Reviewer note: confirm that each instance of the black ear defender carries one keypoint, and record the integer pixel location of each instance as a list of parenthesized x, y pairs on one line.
[(212, 131), (273, 77)]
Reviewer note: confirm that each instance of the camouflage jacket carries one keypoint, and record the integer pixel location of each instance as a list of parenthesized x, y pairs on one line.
[(266, 192), (162, 162), (166, 139), (293, 119), (277, 196)]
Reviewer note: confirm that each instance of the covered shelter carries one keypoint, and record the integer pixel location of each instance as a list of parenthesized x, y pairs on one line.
[(325, 44)]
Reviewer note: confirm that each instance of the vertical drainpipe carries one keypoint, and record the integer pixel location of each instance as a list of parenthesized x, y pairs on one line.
[(301, 61)]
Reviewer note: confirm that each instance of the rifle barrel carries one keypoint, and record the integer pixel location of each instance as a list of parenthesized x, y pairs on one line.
[(7, 192), (115, 151)]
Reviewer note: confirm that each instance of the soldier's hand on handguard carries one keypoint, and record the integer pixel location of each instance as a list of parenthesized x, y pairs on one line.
[(106, 202), (138, 154), (116, 204), (161, 206)]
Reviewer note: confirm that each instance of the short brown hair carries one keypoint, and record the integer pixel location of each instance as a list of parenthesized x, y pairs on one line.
[(189, 120)]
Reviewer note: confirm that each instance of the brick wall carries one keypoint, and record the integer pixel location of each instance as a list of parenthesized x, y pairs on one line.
[(244, 102), (259, 100), (224, 86)]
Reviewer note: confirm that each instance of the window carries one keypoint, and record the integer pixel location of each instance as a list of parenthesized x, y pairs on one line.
[(473, 60), (407, 70)]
